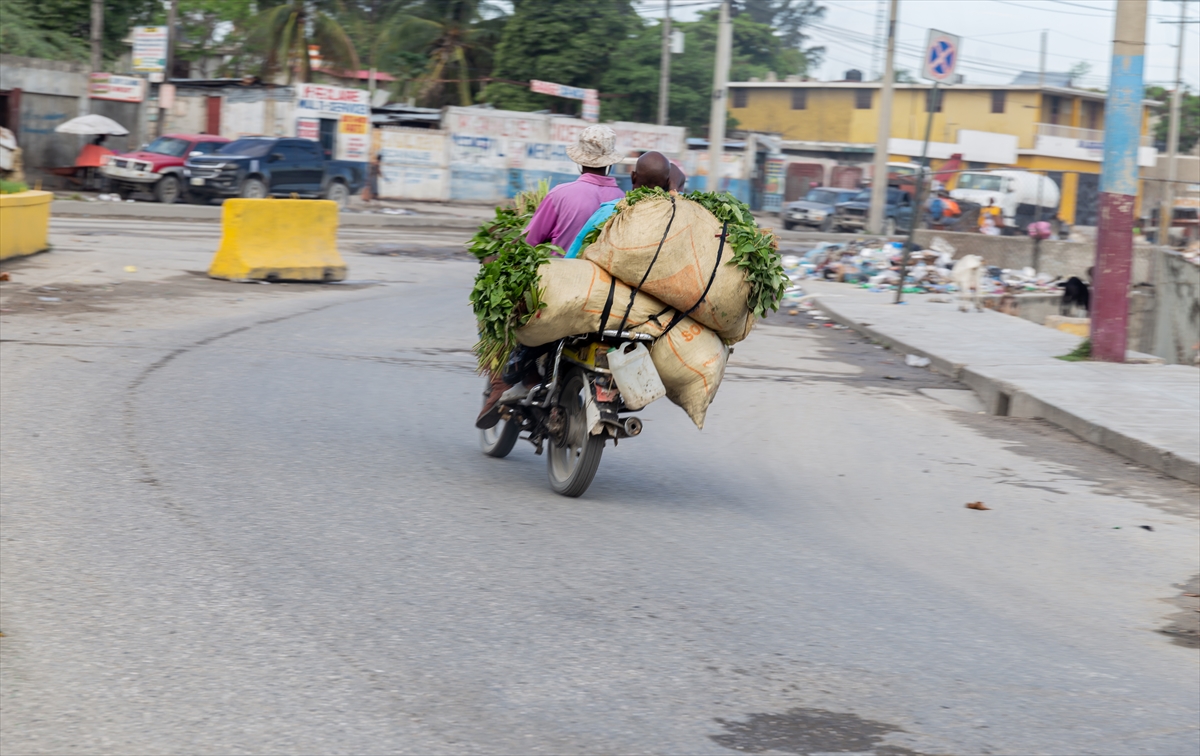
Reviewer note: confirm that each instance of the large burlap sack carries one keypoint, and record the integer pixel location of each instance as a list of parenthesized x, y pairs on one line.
[(679, 276), (690, 360), (575, 292)]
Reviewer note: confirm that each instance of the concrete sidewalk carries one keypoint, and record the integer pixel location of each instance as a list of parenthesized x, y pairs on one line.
[(1147, 412)]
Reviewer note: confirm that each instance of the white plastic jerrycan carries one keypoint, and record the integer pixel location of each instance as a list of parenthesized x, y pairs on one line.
[(635, 374)]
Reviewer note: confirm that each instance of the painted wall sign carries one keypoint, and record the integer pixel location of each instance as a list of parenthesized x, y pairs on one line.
[(105, 86), (332, 101)]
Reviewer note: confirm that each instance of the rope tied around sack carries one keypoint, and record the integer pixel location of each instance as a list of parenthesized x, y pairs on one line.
[(646, 275), (716, 266)]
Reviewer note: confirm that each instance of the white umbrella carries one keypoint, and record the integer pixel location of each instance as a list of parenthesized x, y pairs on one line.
[(92, 124)]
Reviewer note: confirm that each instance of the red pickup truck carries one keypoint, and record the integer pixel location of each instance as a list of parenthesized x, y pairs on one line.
[(157, 167)]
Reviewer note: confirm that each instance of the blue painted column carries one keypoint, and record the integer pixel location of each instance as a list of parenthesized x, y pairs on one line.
[(1119, 184)]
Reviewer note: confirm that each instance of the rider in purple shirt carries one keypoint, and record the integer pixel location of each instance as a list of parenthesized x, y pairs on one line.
[(568, 206), (558, 219)]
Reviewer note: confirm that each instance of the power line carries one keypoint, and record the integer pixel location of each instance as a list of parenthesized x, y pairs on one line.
[(1054, 10), (978, 37), (1079, 5)]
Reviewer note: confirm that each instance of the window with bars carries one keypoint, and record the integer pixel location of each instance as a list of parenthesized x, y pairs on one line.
[(739, 98), (998, 97), (862, 99), (799, 99)]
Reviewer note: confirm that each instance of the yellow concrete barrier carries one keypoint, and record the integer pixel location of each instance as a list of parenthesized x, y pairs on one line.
[(24, 223), (278, 240)]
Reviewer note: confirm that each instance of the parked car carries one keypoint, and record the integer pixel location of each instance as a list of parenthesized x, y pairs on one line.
[(256, 167), (852, 215), (816, 209), (157, 167)]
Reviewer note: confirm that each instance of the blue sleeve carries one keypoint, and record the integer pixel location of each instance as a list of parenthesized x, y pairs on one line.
[(602, 214)]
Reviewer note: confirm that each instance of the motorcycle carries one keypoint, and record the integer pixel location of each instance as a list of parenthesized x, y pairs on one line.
[(574, 411)]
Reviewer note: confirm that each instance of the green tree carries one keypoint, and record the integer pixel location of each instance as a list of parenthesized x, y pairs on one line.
[(455, 36), (209, 27), (1189, 118), (22, 33), (568, 43), (28, 25), (632, 77), (789, 18), (282, 35), (1079, 71)]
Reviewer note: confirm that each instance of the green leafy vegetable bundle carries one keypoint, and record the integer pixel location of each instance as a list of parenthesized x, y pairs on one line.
[(506, 292)]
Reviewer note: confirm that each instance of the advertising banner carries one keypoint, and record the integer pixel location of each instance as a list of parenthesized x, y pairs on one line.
[(308, 128), (150, 48), (351, 108), (321, 100), (105, 86)]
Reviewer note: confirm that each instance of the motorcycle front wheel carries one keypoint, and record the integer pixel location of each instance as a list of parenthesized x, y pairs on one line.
[(572, 464)]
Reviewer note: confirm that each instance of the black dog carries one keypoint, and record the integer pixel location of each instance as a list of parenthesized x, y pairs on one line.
[(1075, 294)]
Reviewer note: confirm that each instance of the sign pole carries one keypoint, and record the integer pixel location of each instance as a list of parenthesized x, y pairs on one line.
[(941, 58), (917, 195)]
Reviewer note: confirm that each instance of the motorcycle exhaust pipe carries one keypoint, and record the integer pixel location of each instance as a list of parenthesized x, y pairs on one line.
[(632, 426)]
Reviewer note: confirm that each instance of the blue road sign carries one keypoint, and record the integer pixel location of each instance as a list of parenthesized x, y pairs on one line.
[(941, 56)]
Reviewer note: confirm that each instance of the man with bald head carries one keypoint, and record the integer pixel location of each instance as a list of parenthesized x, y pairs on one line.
[(678, 178), (652, 169)]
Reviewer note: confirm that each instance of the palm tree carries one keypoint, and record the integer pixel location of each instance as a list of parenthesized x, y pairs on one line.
[(285, 32), (454, 34)]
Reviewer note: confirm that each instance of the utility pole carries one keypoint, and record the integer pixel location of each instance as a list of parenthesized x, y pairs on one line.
[(879, 168), (1042, 62), (664, 68), (1166, 211), (716, 123), (170, 64), (97, 36), (1119, 183)]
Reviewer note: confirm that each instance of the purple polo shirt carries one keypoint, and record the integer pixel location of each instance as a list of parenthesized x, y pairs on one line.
[(567, 208)]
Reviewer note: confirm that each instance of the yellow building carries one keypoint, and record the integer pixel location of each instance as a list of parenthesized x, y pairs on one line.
[(1058, 130)]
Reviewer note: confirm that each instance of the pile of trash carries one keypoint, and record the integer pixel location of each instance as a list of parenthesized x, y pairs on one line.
[(877, 267)]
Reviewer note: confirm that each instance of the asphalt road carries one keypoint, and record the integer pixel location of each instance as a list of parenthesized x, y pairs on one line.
[(254, 519)]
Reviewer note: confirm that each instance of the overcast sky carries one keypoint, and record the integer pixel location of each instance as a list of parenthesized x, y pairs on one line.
[(1001, 37)]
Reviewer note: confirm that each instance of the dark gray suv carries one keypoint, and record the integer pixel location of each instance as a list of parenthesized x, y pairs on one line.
[(816, 209)]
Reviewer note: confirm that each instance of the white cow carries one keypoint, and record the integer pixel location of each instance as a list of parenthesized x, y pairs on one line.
[(966, 274)]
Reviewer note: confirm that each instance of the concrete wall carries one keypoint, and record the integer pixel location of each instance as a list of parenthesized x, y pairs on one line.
[(52, 92), (493, 154), (1177, 315), (1058, 258), (415, 163), (1164, 314)]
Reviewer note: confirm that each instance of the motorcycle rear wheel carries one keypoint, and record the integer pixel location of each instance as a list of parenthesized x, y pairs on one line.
[(572, 465), (500, 439)]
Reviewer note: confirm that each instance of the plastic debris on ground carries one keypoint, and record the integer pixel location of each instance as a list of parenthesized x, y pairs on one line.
[(876, 267)]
